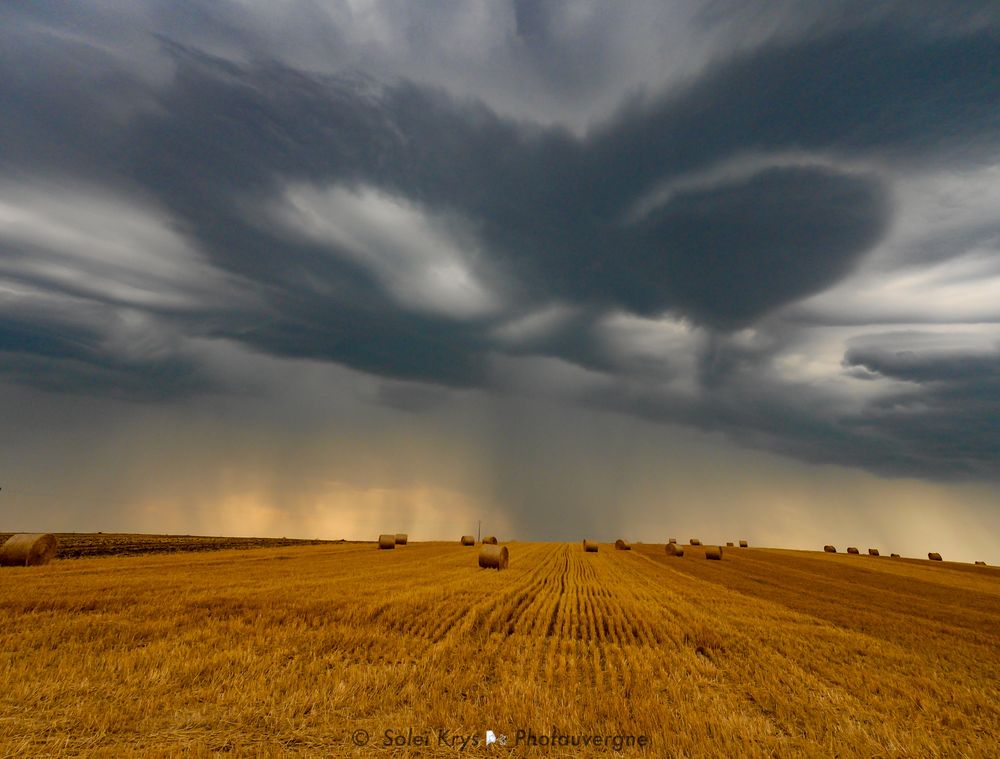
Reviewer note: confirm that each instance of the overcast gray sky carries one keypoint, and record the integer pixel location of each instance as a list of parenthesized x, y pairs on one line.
[(334, 268)]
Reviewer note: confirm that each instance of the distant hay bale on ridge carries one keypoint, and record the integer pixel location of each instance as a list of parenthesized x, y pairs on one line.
[(852, 549), (468, 540), (829, 549), (29, 549), (873, 552), (590, 546), (744, 544), (401, 538), (893, 555), (934, 556), (493, 556), (386, 541), (980, 563), (621, 545), (672, 540), (695, 542), (713, 552), (490, 540), (674, 550), (730, 544)]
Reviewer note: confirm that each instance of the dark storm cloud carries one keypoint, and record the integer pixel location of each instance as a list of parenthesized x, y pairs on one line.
[(64, 103), (526, 188), (219, 142), (57, 355), (264, 127), (537, 197), (947, 430), (933, 365), (730, 255), (550, 206), (939, 418), (911, 99), (949, 416)]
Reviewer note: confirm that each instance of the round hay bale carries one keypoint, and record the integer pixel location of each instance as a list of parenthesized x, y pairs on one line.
[(401, 538), (621, 545), (893, 555), (873, 552), (30, 549), (852, 549), (590, 546), (829, 549), (695, 542), (490, 540), (744, 544), (672, 540), (492, 556), (713, 552), (468, 540), (730, 544), (980, 563), (934, 556), (674, 550), (386, 541)]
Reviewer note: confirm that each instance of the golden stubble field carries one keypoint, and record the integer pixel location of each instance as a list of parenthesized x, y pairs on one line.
[(297, 649)]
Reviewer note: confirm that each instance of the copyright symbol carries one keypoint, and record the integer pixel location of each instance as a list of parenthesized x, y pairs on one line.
[(360, 737)]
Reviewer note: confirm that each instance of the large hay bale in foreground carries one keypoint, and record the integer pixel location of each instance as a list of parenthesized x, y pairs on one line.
[(829, 549), (468, 540), (852, 549), (674, 550), (590, 546), (695, 542), (713, 552), (621, 545), (386, 541), (873, 552), (492, 556), (490, 540), (934, 556), (744, 544), (401, 538), (29, 549), (980, 563)]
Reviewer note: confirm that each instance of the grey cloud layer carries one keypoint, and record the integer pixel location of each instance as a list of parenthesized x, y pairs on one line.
[(218, 144), (949, 414)]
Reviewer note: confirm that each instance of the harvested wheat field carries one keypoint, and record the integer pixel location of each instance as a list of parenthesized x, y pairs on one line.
[(307, 650)]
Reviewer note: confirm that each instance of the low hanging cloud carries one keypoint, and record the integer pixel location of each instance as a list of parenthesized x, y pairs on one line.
[(682, 255)]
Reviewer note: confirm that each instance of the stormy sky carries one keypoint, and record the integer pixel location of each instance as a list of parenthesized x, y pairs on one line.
[(326, 268)]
